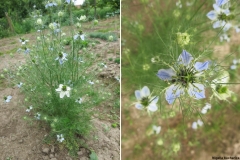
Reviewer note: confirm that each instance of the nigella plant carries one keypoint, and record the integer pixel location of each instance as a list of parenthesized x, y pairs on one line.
[(185, 76)]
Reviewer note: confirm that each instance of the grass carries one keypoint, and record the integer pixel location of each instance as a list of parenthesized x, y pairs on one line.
[(103, 36)]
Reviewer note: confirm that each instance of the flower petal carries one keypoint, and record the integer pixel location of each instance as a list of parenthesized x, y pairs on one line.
[(226, 26), (199, 66), (75, 36), (62, 94), (152, 107), (58, 89), (217, 8), (157, 129), (196, 90), (138, 95), (212, 15), (154, 99), (145, 92), (166, 74), (82, 37), (199, 122), (217, 24), (139, 106), (194, 125), (67, 93), (173, 92), (221, 2), (185, 58), (204, 110)]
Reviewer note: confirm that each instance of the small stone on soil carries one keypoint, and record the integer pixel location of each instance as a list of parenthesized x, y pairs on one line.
[(45, 150), (20, 141), (45, 157), (52, 150), (51, 156)]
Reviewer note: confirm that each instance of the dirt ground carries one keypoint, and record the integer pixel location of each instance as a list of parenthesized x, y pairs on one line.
[(23, 140)]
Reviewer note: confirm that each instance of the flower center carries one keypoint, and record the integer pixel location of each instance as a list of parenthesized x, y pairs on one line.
[(145, 101), (80, 32), (221, 89), (224, 17), (64, 88), (184, 76), (60, 55)]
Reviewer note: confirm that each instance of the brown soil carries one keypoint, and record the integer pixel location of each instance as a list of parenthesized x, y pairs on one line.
[(23, 140)]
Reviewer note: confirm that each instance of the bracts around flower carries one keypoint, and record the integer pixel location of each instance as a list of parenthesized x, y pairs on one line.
[(184, 76)]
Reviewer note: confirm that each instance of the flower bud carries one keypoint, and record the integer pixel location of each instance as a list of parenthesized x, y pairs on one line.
[(39, 21), (60, 14)]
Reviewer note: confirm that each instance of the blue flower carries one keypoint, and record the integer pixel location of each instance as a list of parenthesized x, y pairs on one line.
[(145, 100), (184, 77), (50, 4)]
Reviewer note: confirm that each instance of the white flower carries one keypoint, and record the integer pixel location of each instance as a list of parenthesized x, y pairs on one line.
[(63, 90), (225, 37), (105, 66), (61, 57), (7, 99), (218, 16), (196, 124), (156, 129), (82, 18), (29, 109), (91, 82), (79, 100), (117, 78), (145, 100), (60, 138), (82, 36), (206, 108), (179, 4), (37, 116), (19, 85), (23, 41)]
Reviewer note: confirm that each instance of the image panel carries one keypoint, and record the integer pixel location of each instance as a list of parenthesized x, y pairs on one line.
[(180, 79), (60, 79)]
